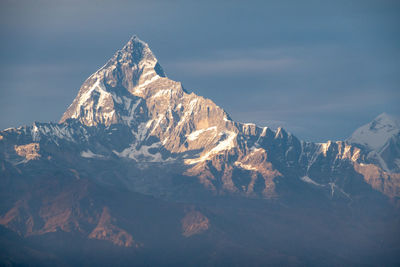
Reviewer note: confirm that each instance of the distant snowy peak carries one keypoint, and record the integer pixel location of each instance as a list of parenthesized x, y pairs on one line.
[(377, 133)]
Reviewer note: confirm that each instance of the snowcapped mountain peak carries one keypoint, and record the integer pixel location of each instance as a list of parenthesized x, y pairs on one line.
[(136, 45), (114, 89), (376, 134), (135, 39), (386, 121), (136, 50), (132, 89)]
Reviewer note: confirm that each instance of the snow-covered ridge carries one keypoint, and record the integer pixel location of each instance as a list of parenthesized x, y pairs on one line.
[(89, 154), (374, 135), (194, 135), (227, 143)]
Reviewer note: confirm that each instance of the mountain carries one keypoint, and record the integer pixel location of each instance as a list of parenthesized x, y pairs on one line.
[(143, 170), (381, 138)]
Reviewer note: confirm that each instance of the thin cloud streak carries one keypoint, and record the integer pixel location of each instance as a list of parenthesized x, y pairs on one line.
[(233, 65)]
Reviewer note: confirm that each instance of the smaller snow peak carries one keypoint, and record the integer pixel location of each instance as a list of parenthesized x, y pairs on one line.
[(383, 115), (386, 121), (375, 134)]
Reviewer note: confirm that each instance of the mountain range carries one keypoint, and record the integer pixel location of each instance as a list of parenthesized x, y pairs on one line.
[(139, 171)]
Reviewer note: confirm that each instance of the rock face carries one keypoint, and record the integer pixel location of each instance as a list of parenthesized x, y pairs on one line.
[(106, 230), (194, 223), (28, 151), (132, 129)]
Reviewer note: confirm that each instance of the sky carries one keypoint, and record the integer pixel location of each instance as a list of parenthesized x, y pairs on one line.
[(320, 69)]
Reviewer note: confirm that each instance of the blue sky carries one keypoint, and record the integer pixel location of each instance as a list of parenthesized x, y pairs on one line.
[(318, 68)]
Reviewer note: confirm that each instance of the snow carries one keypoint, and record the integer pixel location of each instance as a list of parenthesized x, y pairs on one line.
[(147, 82), (90, 154), (254, 149), (142, 154), (107, 116), (104, 97), (141, 131), (131, 110), (191, 105), (227, 144), (264, 131), (196, 134), (54, 132), (35, 133), (148, 73), (355, 155), (160, 118), (245, 166), (332, 185), (307, 179), (149, 123), (314, 157), (88, 93), (226, 119), (375, 134), (325, 147), (162, 93)]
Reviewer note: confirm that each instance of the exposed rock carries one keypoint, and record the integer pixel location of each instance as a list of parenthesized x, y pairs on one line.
[(387, 183), (106, 230), (194, 223), (28, 151), (19, 219)]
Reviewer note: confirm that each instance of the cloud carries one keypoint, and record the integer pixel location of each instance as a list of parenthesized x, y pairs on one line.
[(41, 68), (233, 65)]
